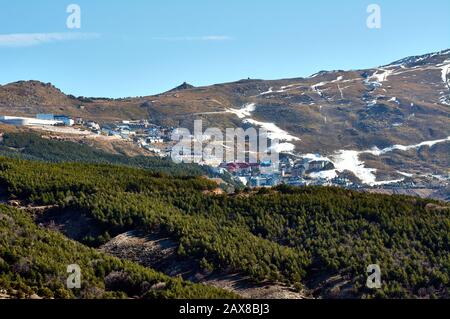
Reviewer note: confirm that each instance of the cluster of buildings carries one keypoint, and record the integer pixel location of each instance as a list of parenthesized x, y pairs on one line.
[(142, 133), (308, 171), (289, 171)]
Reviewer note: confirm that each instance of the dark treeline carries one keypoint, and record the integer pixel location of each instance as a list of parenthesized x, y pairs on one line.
[(291, 235), (33, 147)]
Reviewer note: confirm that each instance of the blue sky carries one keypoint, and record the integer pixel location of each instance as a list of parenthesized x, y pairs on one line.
[(137, 47)]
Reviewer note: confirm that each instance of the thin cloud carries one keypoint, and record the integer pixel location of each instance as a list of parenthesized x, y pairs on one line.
[(33, 39), (201, 38)]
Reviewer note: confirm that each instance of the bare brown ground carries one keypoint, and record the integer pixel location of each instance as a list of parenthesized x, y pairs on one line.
[(159, 252)]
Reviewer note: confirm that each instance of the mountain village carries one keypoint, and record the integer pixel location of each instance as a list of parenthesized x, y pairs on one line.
[(308, 170)]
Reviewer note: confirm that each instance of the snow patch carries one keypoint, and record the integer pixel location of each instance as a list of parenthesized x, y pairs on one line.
[(340, 91), (282, 89), (267, 92), (316, 89), (245, 111), (347, 160), (405, 174), (274, 132), (382, 76), (331, 174), (445, 67), (316, 86), (314, 157), (283, 148), (445, 71), (445, 100), (395, 100), (378, 77), (377, 152)]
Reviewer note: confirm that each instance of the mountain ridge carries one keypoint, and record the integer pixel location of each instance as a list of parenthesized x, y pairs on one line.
[(186, 85), (406, 103), (183, 86)]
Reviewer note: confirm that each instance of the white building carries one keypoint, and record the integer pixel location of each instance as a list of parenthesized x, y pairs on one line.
[(61, 119), (67, 121), (27, 121), (47, 117), (93, 125), (154, 140)]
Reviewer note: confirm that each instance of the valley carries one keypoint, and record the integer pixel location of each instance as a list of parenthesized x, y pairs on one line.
[(363, 172)]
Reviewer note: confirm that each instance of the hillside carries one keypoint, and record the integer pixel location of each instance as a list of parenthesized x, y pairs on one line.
[(316, 240), (33, 264), (404, 103), (362, 106), (34, 147), (32, 97), (19, 143)]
